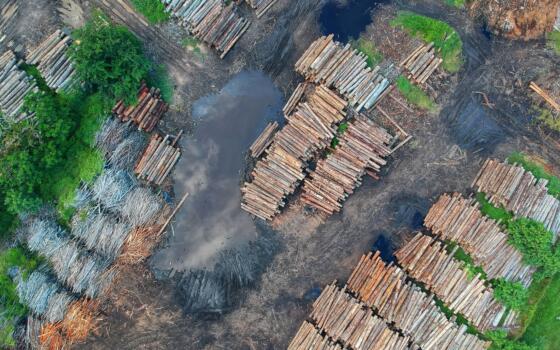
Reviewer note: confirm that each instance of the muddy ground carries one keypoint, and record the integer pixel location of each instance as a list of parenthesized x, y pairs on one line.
[(445, 154)]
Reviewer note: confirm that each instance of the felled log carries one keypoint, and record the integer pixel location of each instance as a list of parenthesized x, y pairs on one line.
[(149, 109), (264, 140), (261, 6), (15, 84), (517, 190), (421, 63), (158, 159), (345, 69), (545, 96)]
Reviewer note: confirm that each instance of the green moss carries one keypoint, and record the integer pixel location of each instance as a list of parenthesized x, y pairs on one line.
[(553, 41), (374, 56), (498, 214), (153, 10), (414, 94), (444, 37), (538, 171)]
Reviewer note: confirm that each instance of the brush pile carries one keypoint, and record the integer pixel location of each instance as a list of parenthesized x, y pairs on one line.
[(454, 218), (421, 63), (427, 261), (351, 323), (261, 6), (386, 289), (309, 338), (345, 69), (519, 191), (111, 134), (158, 159), (362, 148), (51, 58), (111, 187), (146, 113), (139, 244), (15, 84), (308, 130), (212, 21), (264, 140), (140, 207)]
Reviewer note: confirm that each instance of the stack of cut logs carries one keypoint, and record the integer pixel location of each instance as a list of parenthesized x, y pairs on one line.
[(386, 289), (211, 21), (52, 60), (350, 322), (427, 260), (309, 338), (14, 86), (345, 69), (309, 129), (158, 159), (261, 6), (264, 140), (520, 192), (361, 149), (147, 112), (456, 219), (421, 63), (8, 10), (545, 96), (294, 99)]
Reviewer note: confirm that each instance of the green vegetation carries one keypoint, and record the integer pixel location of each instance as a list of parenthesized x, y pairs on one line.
[(153, 10), (444, 37), (511, 294), (456, 3), (546, 117), (538, 171), (553, 41), (500, 341), (414, 94), (342, 127), (159, 77), (498, 214), (374, 56), (36, 75), (468, 263)]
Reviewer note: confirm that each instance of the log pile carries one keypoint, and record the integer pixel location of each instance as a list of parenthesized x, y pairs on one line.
[(261, 6), (545, 96), (294, 99), (309, 338), (386, 289), (351, 323), (309, 129), (426, 260), (211, 21), (8, 10), (519, 191), (345, 69), (362, 148), (15, 84), (146, 113), (158, 159), (421, 63), (454, 218), (264, 140), (51, 58)]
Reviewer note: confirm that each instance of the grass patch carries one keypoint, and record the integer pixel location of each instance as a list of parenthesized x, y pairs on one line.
[(414, 94), (553, 41), (546, 117), (153, 10), (159, 78), (468, 263), (444, 37), (498, 214), (374, 56), (455, 3), (538, 171)]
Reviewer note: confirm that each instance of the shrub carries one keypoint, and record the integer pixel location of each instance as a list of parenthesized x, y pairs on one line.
[(153, 10), (500, 341), (414, 94), (511, 294)]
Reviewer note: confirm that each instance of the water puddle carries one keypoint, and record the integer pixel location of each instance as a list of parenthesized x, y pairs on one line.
[(346, 19), (211, 221)]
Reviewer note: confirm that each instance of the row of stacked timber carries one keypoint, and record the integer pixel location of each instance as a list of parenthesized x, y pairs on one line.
[(457, 219), (348, 321), (386, 289), (211, 21), (345, 69), (427, 260), (51, 59), (8, 11), (310, 338), (264, 140), (362, 148), (421, 63), (15, 84), (147, 112), (309, 129), (295, 98), (261, 6), (158, 159), (545, 96), (519, 191)]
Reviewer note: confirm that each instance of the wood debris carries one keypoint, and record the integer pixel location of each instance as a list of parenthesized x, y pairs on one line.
[(421, 63), (309, 129), (345, 69), (158, 159), (211, 21), (147, 112), (386, 289), (533, 86), (261, 6), (519, 191), (456, 219), (15, 84), (361, 149), (264, 140), (426, 260), (51, 59), (309, 338)]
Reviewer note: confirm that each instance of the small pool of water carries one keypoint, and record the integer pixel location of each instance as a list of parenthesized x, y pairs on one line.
[(346, 19), (210, 169)]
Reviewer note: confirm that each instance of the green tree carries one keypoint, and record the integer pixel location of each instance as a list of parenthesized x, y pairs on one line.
[(511, 294)]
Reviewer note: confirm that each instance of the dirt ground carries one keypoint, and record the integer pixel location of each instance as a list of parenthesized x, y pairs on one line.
[(444, 155)]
